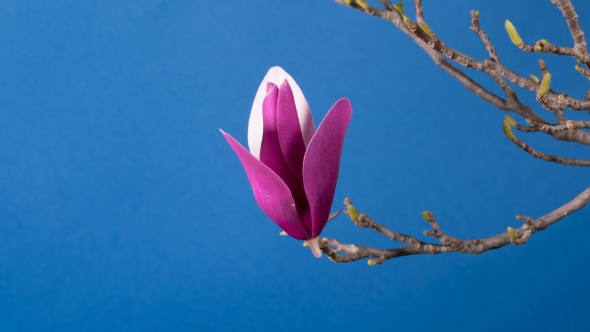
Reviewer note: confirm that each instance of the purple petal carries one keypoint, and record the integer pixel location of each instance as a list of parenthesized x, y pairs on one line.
[(277, 76), (322, 163), (289, 130), (272, 156), (271, 193)]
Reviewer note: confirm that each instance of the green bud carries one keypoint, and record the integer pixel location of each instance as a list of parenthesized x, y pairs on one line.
[(348, 2), (510, 120), (353, 213), (363, 4), (476, 13), (507, 130), (512, 233), (534, 78), (513, 34), (426, 215), (545, 85), (372, 262)]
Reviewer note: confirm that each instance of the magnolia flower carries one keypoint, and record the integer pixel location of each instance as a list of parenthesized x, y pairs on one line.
[(292, 168)]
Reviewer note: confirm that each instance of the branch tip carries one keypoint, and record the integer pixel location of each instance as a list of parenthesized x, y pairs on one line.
[(427, 215), (351, 211)]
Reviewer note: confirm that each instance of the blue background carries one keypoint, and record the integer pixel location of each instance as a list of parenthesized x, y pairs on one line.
[(122, 208)]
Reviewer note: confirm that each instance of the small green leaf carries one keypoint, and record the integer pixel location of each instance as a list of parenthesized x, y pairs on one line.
[(400, 7), (534, 78)]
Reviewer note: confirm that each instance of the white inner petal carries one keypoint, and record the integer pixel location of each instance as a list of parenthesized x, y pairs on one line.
[(277, 76)]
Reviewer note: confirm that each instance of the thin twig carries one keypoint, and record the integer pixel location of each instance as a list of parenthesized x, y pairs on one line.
[(419, 11), (567, 125), (483, 36), (548, 157), (514, 105), (349, 252), (526, 129), (543, 46)]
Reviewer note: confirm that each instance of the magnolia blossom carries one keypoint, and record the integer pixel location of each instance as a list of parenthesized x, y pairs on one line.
[(293, 169)]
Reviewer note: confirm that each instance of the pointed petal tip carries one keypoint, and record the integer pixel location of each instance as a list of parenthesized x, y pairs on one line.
[(314, 244), (277, 69), (345, 102)]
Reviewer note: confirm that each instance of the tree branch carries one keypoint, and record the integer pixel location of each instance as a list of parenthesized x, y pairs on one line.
[(342, 253), (511, 104), (567, 125), (548, 157), (567, 9), (565, 130)]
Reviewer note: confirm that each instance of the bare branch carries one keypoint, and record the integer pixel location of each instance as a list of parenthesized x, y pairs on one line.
[(364, 221), (543, 46), (548, 157), (565, 130), (419, 11), (511, 104), (484, 37), (567, 9), (567, 125), (343, 253), (542, 67), (526, 129)]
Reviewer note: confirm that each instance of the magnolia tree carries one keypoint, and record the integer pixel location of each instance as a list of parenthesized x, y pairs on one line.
[(293, 167)]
